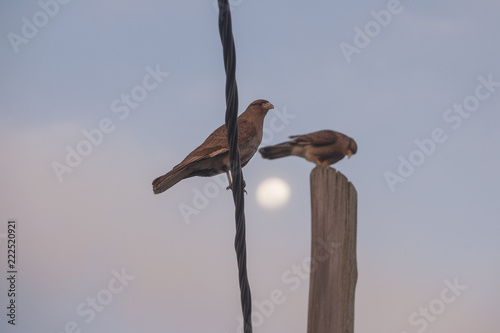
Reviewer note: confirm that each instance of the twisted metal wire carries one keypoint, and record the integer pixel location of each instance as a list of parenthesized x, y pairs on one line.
[(226, 35)]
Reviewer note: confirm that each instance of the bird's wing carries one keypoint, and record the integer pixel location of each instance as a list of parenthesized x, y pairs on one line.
[(316, 138), (216, 143)]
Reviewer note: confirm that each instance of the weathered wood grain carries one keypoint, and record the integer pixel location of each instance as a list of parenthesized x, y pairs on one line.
[(333, 252)]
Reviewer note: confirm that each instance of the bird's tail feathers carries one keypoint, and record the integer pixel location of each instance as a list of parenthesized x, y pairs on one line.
[(168, 180), (277, 151)]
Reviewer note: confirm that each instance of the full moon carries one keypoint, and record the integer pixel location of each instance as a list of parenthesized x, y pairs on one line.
[(273, 193)]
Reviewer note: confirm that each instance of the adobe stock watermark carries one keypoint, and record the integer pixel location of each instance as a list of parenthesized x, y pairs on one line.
[(278, 120), (453, 117), (425, 315), (88, 310), (121, 107), (363, 37), (31, 27)]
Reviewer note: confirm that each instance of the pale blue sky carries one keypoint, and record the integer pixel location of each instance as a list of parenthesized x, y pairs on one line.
[(440, 224)]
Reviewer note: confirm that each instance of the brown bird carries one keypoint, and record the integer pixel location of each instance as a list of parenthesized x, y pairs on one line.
[(212, 156), (323, 147)]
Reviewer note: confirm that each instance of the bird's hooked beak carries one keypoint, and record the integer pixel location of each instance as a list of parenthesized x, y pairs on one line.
[(268, 106), (349, 154)]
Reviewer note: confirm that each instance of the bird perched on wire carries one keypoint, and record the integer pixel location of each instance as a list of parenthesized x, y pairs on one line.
[(212, 156), (323, 147)]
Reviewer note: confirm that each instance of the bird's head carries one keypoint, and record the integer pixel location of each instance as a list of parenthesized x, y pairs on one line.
[(352, 148), (262, 104)]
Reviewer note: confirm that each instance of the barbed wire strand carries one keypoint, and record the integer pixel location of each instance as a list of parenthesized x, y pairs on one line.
[(226, 35)]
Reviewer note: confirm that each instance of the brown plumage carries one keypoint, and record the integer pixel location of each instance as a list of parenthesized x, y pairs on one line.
[(323, 147), (212, 156)]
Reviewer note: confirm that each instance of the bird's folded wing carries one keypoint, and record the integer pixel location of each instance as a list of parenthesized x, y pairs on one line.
[(216, 143), (317, 138)]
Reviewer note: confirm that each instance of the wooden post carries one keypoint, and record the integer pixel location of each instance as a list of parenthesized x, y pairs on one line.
[(333, 253)]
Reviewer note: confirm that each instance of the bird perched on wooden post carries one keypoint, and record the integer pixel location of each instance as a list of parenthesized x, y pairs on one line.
[(323, 147), (212, 156)]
